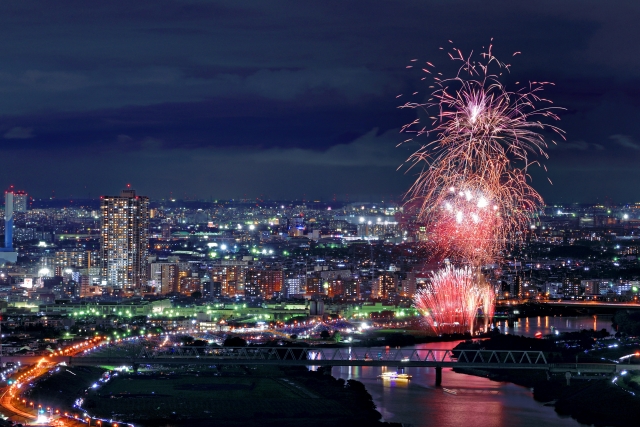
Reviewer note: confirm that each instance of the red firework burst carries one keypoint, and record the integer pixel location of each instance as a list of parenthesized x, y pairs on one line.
[(450, 303), (483, 138)]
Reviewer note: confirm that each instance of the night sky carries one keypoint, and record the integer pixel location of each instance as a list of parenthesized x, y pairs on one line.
[(294, 99)]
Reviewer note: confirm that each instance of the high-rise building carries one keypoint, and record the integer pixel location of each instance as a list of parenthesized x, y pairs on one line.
[(166, 230), (591, 287), (8, 221), (352, 288), (125, 240), (263, 283), (408, 285), (190, 284), (232, 275), (516, 292), (388, 285), (20, 201), (253, 280), (314, 286), (163, 277), (334, 287), (14, 201), (76, 258), (87, 288), (7, 254), (272, 283), (571, 287), (293, 285)]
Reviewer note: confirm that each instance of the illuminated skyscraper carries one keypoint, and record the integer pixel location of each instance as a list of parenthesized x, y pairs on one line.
[(20, 200), (125, 240)]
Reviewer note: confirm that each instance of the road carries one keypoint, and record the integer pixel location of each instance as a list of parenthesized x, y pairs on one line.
[(12, 412), (10, 397), (593, 304)]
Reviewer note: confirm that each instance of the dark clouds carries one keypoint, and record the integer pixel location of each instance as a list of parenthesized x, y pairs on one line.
[(281, 99)]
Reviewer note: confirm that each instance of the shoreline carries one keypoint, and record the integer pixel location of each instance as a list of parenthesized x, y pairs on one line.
[(589, 402), (392, 401), (326, 401)]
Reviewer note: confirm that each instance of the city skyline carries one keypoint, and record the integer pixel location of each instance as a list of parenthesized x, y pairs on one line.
[(292, 101), (289, 213)]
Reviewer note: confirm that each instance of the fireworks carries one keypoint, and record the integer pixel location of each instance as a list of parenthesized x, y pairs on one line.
[(473, 189), (483, 141), (450, 303), (465, 223)]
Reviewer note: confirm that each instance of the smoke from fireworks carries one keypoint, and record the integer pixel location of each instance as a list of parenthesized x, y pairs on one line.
[(450, 302)]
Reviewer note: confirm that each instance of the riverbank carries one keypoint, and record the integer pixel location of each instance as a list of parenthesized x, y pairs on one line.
[(591, 402), (230, 396), (599, 402)]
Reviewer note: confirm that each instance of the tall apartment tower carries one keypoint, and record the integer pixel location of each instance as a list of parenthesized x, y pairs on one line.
[(20, 201), (125, 240)]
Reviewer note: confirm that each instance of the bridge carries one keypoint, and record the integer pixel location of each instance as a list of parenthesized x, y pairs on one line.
[(137, 354)]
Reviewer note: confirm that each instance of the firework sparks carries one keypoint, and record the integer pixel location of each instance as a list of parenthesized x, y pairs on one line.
[(450, 303), (465, 223), (483, 140), (473, 190)]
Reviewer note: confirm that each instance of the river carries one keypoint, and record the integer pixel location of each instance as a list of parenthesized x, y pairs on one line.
[(549, 324), (467, 400)]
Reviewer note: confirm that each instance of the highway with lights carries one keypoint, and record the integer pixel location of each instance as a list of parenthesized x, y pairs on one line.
[(26, 411)]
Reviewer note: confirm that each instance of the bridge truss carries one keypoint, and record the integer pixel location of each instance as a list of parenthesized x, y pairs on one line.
[(323, 356)]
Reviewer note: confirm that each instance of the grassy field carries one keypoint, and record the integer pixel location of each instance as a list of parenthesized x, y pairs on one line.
[(60, 389), (234, 396)]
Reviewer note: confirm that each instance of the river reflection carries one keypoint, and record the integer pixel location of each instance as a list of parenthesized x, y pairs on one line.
[(466, 400), (549, 324)]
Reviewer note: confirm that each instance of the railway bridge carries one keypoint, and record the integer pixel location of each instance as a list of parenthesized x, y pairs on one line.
[(137, 354)]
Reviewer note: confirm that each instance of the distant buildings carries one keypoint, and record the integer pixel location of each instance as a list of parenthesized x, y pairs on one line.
[(243, 250), (76, 258), (124, 240), (164, 277)]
